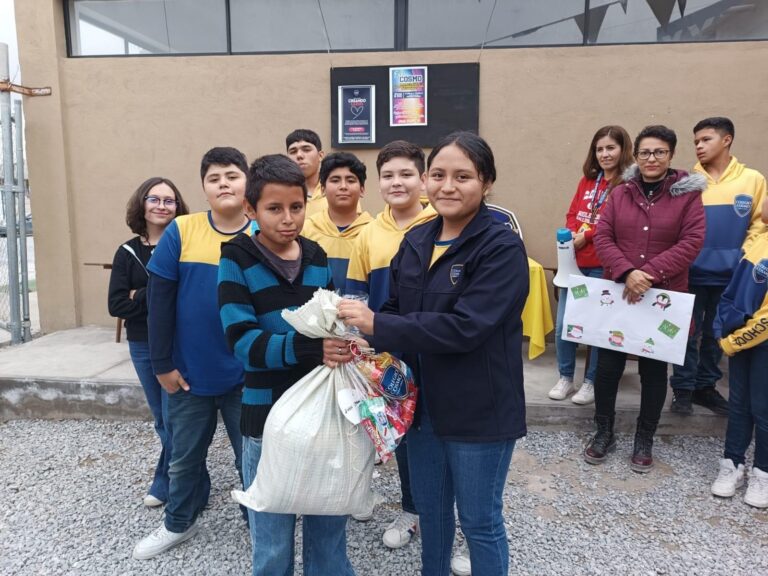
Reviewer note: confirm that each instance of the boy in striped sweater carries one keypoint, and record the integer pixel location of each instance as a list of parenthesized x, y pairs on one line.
[(259, 277)]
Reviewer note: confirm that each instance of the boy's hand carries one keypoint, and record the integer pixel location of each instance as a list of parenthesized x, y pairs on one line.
[(355, 313), (579, 241), (172, 382), (335, 352)]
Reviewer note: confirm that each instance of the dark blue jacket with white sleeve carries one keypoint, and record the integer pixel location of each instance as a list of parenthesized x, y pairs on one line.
[(459, 327)]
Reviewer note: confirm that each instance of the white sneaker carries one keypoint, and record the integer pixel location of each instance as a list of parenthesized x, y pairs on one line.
[(757, 491), (161, 540), (400, 530), (460, 564), (152, 502), (728, 479), (585, 395), (561, 390)]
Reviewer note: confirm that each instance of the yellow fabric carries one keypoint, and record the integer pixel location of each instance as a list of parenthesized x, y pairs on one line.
[(322, 230), (316, 201), (378, 243), (537, 315), (437, 251), (200, 241)]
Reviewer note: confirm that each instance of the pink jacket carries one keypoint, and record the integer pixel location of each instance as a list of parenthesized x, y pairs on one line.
[(661, 238)]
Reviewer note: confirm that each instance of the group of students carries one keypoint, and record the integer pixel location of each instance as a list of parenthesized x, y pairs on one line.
[(446, 284), (647, 225)]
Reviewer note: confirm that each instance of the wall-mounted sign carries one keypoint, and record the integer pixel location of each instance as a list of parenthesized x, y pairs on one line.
[(408, 96), (357, 114)]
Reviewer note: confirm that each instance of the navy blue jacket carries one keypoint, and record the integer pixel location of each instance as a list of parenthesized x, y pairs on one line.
[(459, 325)]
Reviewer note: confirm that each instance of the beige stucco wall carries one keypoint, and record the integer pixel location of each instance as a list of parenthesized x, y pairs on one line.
[(112, 122)]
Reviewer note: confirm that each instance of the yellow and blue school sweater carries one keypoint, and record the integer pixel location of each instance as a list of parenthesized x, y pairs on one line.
[(732, 205), (742, 316), (374, 249), (184, 326), (252, 296), (316, 201), (337, 243)]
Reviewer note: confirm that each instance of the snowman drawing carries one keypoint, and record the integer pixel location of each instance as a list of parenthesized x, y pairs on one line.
[(606, 298)]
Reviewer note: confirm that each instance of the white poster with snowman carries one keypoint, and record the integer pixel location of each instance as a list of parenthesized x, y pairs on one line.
[(656, 327)]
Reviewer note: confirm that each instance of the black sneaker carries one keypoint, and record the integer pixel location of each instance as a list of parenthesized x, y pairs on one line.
[(681, 403), (711, 398)]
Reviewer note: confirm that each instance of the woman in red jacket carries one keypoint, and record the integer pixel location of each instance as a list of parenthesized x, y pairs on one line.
[(650, 232), (610, 153)]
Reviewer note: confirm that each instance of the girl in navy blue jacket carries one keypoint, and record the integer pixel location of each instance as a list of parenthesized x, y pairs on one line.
[(457, 289)]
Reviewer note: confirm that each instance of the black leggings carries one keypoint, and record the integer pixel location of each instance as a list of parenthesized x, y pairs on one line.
[(653, 379)]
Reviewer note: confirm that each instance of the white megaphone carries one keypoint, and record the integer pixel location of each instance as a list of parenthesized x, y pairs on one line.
[(566, 258)]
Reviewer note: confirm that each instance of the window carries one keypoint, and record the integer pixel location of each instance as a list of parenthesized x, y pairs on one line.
[(115, 27), (297, 25), (675, 21), (141, 27), (462, 23)]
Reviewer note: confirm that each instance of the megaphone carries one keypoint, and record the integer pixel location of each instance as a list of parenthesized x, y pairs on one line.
[(566, 258)]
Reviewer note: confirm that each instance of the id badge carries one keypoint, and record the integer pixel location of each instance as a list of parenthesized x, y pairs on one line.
[(584, 227)]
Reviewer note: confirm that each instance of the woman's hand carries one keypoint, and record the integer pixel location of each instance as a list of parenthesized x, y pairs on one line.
[(579, 240), (335, 352), (355, 313), (637, 284)]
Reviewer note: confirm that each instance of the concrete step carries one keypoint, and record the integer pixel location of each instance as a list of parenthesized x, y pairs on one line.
[(83, 373)]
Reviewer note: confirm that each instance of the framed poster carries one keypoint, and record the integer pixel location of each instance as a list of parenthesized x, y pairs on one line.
[(408, 96), (656, 327), (357, 114)]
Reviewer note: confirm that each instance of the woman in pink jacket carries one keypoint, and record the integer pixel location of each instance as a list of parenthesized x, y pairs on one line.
[(650, 232)]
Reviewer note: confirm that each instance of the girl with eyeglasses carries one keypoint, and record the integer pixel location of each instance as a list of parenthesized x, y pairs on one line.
[(150, 209), (609, 154), (650, 232)]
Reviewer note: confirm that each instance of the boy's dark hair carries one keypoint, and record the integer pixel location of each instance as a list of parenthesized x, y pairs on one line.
[(306, 135), (475, 148), (135, 209), (272, 169), (223, 156), (720, 124), (657, 131), (342, 160), (401, 149)]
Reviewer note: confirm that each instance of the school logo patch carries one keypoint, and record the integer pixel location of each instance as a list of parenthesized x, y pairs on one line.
[(760, 271), (456, 271), (742, 205)]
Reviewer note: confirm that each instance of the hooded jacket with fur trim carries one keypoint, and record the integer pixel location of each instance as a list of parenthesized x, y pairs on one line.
[(661, 236)]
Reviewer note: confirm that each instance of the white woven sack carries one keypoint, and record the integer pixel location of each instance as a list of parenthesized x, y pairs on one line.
[(313, 460)]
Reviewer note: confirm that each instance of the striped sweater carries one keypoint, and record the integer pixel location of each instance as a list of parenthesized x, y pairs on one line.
[(252, 296)]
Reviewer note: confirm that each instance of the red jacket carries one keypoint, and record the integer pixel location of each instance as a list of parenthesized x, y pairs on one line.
[(661, 238), (580, 213)]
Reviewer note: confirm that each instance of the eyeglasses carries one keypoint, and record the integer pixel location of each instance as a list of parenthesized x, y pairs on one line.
[(155, 201), (658, 154)]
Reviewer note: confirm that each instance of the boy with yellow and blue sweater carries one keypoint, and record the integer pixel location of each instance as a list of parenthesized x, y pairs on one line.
[(732, 201), (342, 177), (402, 183), (259, 277), (304, 147), (188, 351), (742, 327)]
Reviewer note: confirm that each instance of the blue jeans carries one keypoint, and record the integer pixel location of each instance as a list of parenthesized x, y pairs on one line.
[(748, 406), (401, 455), (157, 400), (193, 419), (566, 351), (700, 369), (272, 535), (471, 474)]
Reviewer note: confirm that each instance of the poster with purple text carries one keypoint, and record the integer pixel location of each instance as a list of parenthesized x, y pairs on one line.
[(408, 96)]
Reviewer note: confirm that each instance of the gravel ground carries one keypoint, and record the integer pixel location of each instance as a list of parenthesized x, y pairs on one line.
[(71, 504)]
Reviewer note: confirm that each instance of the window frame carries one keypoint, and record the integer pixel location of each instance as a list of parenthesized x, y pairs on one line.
[(400, 40)]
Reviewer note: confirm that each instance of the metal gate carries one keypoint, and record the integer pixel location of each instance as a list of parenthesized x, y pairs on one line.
[(15, 227)]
